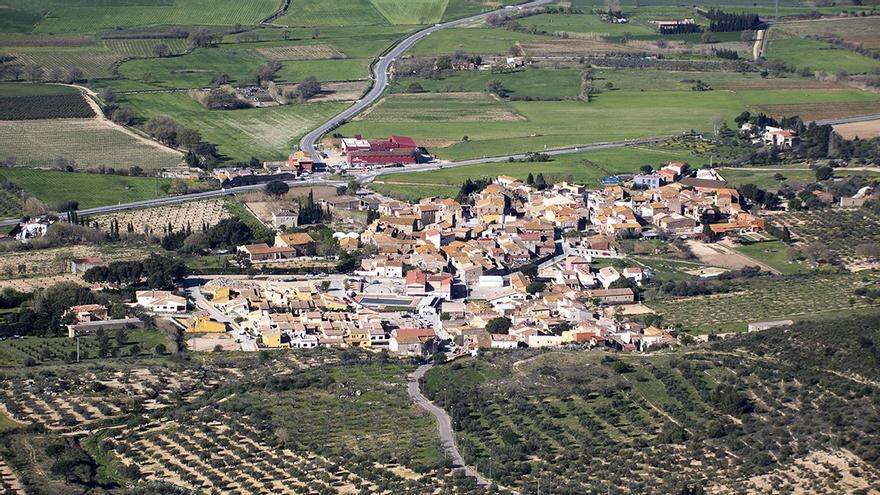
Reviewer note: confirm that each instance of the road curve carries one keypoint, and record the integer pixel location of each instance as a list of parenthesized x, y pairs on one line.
[(380, 75)]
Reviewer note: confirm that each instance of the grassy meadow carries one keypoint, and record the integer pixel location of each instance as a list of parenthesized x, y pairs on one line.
[(91, 190), (818, 55)]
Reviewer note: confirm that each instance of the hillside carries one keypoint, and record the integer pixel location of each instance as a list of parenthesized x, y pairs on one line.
[(785, 409)]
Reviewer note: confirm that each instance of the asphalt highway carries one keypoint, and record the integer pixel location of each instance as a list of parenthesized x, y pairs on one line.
[(380, 75)]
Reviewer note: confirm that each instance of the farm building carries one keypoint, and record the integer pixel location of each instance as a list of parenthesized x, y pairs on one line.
[(395, 149)]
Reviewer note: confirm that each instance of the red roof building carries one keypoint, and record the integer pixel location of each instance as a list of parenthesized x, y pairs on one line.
[(395, 149)]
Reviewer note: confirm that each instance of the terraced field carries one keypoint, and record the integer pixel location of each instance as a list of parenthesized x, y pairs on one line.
[(773, 299)]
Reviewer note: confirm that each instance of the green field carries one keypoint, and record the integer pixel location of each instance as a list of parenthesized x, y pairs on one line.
[(775, 254), (582, 168), (484, 41), (12, 89), (91, 190), (411, 11), (865, 30), (818, 55), (771, 299), (91, 144), (56, 350), (532, 82), (267, 133), (765, 178), (610, 116), (83, 16)]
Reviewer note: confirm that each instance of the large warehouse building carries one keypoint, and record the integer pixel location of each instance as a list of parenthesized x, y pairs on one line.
[(395, 149)]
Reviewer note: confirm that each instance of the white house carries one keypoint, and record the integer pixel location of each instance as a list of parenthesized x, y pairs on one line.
[(635, 274), (160, 301), (608, 275), (504, 341)]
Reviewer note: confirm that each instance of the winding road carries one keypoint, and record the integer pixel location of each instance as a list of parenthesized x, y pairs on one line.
[(447, 434), (380, 75)]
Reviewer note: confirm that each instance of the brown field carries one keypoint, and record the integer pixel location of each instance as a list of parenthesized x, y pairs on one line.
[(32, 284), (569, 47), (774, 83), (340, 91), (192, 214), (301, 52), (862, 130), (814, 111), (44, 40), (847, 471), (26, 270)]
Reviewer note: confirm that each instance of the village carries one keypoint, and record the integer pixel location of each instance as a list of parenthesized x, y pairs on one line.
[(519, 264)]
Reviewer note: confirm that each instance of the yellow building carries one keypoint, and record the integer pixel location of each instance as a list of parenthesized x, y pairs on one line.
[(221, 296), (202, 324)]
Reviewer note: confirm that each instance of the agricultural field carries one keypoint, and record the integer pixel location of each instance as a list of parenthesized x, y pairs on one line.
[(776, 254), (476, 41), (720, 416), (862, 130), (766, 179), (769, 299), (610, 116), (58, 16), (191, 215), (55, 350), (90, 190), (443, 107), (535, 83), (301, 52), (818, 55), (20, 270), (581, 168), (863, 30), (303, 421), (44, 107), (90, 143), (266, 133), (841, 230)]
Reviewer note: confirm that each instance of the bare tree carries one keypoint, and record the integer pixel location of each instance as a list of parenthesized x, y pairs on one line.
[(35, 73)]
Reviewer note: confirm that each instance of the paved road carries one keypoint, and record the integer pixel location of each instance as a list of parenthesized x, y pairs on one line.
[(380, 75), (447, 437), (247, 342), (519, 156), (848, 120), (187, 197)]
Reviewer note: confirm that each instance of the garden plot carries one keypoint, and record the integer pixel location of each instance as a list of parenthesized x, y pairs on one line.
[(192, 215), (841, 230), (770, 299), (320, 51)]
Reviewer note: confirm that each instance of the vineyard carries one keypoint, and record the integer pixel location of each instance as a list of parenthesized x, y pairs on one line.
[(143, 48), (301, 52), (45, 107), (190, 215)]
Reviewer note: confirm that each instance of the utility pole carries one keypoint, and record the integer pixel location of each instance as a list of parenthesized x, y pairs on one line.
[(77, 348)]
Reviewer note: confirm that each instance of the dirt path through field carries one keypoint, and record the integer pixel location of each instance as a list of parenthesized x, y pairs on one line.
[(90, 97), (760, 43)]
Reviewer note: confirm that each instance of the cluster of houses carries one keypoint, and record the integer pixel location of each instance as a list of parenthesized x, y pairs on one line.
[(673, 201), (770, 136), (88, 318)]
